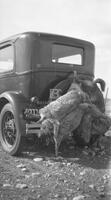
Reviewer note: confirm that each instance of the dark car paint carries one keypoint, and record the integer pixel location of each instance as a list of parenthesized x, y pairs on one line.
[(34, 73)]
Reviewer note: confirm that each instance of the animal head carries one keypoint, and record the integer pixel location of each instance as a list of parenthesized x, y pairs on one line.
[(46, 128), (89, 86), (101, 82)]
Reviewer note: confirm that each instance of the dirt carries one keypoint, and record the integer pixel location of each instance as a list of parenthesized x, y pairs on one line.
[(77, 174)]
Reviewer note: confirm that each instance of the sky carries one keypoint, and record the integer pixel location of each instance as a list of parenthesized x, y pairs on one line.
[(85, 19)]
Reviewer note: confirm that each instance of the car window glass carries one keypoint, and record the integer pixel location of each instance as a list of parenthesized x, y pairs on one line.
[(6, 59), (67, 54)]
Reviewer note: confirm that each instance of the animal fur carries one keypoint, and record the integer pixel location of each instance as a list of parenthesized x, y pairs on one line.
[(63, 115), (93, 125), (59, 131), (62, 106)]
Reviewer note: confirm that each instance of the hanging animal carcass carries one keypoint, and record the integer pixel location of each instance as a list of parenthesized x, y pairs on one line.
[(63, 115)]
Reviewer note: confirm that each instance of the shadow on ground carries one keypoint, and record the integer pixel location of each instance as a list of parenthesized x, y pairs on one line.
[(69, 152)]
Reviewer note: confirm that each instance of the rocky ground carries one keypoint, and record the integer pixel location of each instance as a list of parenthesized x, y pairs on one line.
[(77, 174)]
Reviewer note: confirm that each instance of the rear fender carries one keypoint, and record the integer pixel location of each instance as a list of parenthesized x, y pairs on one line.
[(18, 102)]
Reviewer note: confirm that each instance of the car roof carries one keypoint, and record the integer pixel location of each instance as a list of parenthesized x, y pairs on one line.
[(49, 36)]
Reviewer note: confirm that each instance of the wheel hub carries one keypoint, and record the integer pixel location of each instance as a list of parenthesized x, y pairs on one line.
[(9, 130)]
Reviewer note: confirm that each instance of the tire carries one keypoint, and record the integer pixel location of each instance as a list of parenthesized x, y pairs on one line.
[(63, 85), (10, 136)]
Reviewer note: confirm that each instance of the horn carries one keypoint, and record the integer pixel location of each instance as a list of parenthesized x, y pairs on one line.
[(101, 82)]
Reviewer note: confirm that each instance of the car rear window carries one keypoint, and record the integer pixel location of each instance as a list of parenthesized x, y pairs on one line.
[(67, 54)]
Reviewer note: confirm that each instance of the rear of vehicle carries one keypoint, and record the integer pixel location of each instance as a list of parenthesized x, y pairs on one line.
[(56, 58), (42, 62)]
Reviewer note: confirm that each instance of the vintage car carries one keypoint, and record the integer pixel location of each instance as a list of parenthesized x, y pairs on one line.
[(32, 65)]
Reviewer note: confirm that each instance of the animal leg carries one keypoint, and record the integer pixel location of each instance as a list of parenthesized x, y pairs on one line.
[(56, 147), (56, 131), (57, 144)]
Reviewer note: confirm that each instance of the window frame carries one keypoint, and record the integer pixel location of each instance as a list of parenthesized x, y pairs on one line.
[(2, 46), (68, 45)]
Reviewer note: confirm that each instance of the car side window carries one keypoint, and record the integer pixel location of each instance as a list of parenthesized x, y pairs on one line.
[(6, 59)]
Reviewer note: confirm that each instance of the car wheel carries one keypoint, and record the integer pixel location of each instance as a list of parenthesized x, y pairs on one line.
[(10, 136)]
